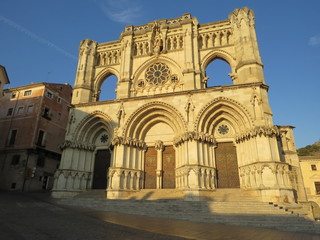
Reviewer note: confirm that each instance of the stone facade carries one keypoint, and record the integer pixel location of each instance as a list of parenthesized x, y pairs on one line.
[(166, 128)]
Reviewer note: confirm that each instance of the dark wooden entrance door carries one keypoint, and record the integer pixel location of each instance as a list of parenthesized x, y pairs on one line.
[(101, 166), (168, 167), (227, 166), (150, 166)]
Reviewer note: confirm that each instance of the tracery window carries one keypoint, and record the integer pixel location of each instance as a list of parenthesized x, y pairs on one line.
[(223, 129), (157, 73)]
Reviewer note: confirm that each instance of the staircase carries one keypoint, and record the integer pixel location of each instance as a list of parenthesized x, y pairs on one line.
[(232, 207)]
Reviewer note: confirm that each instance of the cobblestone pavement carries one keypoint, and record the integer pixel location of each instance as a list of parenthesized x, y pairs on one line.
[(35, 216)]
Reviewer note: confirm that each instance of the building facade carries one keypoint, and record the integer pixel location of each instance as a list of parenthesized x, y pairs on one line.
[(310, 167), (33, 120), (167, 128)]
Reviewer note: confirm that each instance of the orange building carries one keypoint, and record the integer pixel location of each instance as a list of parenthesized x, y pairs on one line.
[(33, 120)]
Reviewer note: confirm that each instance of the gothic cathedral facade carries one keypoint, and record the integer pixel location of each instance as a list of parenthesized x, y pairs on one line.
[(167, 128)]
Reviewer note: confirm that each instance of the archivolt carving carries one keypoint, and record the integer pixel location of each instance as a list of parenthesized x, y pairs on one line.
[(259, 131), (244, 114), (82, 128), (136, 120)]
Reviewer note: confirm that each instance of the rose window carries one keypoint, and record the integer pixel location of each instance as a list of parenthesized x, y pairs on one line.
[(223, 129), (157, 73), (104, 138)]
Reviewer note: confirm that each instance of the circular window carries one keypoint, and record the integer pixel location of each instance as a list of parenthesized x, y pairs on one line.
[(223, 129), (174, 79), (104, 138), (141, 84), (157, 73)]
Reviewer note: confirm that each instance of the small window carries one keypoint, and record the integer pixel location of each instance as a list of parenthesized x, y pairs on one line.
[(59, 100), (12, 137), (13, 185), (40, 161), (317, 186), (13, 95), (15, 160), (40, 141), (30, 108), (49, 94), (46, 113), (27, 93), (20, 110), (313, 167), (10, 111)]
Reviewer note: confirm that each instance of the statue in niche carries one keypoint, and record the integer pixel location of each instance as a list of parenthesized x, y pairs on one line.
[(158, 40)]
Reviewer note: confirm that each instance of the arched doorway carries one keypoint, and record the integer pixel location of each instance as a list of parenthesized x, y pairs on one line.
[(168, 167), (166, 172), (159, 161), (227, 173), (225, 119), (101, 166)]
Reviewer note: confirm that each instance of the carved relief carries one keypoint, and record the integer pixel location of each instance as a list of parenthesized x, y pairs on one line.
[(194, 136), (157, 39), (259, 131), (159, 145)]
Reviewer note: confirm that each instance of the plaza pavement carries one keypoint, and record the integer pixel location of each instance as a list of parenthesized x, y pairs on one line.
[(36, 216)]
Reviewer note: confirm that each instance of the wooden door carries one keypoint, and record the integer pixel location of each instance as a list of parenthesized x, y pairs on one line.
[(227, 166), (168, 167), (150, 166), (101, 166)]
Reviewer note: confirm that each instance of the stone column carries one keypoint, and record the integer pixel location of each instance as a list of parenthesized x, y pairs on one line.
[(159, 147)]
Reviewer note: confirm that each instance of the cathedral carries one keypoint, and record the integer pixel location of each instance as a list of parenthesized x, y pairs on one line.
[(167, 129)]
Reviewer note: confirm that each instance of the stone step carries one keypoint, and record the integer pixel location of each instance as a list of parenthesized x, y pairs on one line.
[(92, 194), (257, 214), (155, 194), (236, 195)]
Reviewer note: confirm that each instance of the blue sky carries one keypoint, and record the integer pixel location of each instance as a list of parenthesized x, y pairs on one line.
[(40, 38)]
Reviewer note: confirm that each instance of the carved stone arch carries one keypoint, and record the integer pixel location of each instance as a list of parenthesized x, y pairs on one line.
[(170, 62), (150, 114), (89, 125), (223, 107), (101, 76), (218, 54)]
